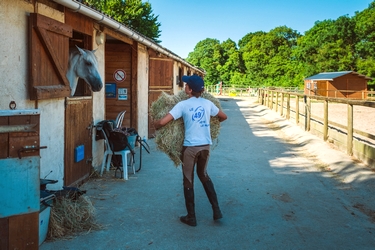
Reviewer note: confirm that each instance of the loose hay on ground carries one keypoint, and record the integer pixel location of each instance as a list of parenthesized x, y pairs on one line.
[(71, 216), (169, 139)]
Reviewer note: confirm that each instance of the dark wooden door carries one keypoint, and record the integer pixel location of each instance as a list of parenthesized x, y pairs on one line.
[(78, 120), (118, 59), (160, 79)]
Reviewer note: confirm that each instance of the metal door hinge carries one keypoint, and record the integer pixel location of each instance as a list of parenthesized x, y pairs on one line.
[(89, 160)]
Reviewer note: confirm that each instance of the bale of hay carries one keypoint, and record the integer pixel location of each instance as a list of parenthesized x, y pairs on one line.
[(169, 139), (71, 216)]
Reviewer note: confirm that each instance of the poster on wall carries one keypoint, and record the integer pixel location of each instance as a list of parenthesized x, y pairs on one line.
[(110, 90), (122, 94)]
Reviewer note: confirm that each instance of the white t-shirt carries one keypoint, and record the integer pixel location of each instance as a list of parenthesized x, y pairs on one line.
[(196, 113)]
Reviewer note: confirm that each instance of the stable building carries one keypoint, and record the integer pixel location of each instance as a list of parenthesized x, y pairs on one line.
[(45, 130), (343, 84)]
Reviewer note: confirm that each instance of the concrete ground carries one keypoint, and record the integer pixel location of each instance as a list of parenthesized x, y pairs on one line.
[(279, 188)]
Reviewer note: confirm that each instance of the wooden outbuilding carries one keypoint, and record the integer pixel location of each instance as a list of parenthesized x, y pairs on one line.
[(343, 84)]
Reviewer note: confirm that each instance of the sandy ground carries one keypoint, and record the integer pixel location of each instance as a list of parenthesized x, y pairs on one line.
[(364, 118)]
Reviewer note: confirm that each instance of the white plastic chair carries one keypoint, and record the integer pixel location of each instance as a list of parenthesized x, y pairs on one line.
[(107, 158), (120, 118)]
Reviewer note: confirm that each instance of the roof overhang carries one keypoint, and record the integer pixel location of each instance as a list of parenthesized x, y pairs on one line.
[(104, 19)]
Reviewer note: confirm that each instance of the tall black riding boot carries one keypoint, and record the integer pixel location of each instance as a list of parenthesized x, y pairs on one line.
[(189, 219), (211, 194)]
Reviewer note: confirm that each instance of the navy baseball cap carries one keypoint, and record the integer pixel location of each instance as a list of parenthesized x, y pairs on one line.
[(195, 82)]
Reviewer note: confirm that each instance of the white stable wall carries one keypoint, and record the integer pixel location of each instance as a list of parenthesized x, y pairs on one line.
[(14, 85), (143, 71)]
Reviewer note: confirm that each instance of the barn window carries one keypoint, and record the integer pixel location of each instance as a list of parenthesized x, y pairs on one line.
[(83, 41)]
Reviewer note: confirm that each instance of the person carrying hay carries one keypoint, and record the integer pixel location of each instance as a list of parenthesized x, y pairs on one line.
[(196, 113)]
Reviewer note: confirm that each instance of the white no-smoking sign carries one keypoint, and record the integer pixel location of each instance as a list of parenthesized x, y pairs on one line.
[(119, 75)]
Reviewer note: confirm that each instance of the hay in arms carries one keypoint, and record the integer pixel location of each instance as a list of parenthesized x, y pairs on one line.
[(169, 139), (71, 216)]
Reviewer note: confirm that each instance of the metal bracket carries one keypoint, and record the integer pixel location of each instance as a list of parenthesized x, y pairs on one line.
[(89, 160), (29, 149), (90, 127)]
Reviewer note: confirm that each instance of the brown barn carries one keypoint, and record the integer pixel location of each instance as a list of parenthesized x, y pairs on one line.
[(343, 84)]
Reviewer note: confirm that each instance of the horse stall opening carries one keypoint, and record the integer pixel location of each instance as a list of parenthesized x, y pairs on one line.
[(49, 49), (119, 82), (78, 109)]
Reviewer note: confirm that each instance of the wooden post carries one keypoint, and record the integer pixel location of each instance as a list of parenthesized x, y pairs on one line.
[(288, 106), (350, 130), (325, 124), (268, 98), (277, 101), (282, 104), (308, 114), (271, 107), (297, 109)]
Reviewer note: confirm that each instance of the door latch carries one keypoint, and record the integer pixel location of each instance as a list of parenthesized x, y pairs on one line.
[(29, 149)]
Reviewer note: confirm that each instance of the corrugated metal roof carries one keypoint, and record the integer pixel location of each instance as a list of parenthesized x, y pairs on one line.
[(329, 76)]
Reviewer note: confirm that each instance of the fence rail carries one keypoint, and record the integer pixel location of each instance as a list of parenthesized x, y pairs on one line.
[(232, 91), (253, 91), (301, 106)]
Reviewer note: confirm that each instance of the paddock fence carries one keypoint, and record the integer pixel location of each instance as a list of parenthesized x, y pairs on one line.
[(347, 123)]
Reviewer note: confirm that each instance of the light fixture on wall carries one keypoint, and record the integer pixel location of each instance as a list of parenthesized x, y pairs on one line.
[(99, 38)]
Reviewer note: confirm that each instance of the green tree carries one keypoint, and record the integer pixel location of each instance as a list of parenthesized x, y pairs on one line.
[(365, 47), (268, 57), (328, 46), (206, 55), (229, 62), (132, 13)]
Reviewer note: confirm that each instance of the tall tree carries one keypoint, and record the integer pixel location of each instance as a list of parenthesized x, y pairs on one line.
[(229, 62), (365, 47), (132, 13), (328, 46), (206, 55), (268, 57)]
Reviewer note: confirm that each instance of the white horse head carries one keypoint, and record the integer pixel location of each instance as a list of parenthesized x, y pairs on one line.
[(83, 64)]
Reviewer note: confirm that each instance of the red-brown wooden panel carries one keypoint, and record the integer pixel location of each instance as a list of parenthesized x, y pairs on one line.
[(79, 22), (160, 79), (78, 117), (24, 231), (119, 56), (49, 55), (161, 72)]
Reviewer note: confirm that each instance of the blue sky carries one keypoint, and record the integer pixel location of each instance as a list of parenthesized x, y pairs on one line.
[(186, 22)]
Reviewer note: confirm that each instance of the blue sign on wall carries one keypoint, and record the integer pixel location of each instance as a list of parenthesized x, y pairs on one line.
[(110, 90)]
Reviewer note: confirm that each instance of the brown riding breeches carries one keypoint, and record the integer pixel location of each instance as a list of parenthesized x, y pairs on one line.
[(195, 155)]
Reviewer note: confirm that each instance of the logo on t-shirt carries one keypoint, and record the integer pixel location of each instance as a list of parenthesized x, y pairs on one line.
[(198, 114)]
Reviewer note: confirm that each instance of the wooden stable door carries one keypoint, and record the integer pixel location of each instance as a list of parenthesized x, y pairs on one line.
[(78, 140), (160, 79), (118, 75)]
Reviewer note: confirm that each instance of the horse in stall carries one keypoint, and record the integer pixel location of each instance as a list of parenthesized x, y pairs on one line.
[(83, 64)]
